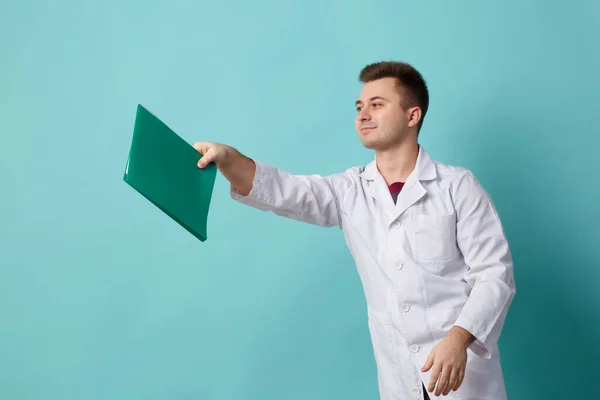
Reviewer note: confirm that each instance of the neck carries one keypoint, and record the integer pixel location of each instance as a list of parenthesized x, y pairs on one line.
[(396, 163)]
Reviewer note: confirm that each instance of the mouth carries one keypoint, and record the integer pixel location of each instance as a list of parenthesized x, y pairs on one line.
[(367, 130)]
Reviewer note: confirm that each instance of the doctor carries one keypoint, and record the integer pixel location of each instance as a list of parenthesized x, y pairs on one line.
[(429, 247)]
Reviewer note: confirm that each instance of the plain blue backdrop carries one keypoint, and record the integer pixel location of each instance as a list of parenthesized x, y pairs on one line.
[(104, 297)]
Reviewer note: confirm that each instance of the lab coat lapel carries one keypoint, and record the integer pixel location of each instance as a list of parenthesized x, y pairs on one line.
[(412, 191), (378, 189)]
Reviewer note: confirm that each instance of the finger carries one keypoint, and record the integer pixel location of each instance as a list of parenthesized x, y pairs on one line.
[(201, 147), (461, 377), (451, 381), (443, 381), (435, 373), (428, 363)]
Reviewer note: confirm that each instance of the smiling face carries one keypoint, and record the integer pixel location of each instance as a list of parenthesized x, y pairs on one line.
[(381, 121)]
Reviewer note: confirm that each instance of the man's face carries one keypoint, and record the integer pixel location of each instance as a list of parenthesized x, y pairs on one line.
[(381, 122)]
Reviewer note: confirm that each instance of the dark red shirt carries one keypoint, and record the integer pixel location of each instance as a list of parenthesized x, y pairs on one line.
[(395, 189)]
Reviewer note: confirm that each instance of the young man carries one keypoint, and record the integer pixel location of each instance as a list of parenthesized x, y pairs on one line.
[(429, 247)]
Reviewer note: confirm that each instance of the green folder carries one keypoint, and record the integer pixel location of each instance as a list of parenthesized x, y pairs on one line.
[(163, 168)]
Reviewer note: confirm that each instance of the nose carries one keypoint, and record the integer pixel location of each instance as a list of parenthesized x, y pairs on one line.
[(363, 115)]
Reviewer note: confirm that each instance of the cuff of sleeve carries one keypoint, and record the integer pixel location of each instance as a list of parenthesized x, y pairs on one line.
[(478, 346), (257, 196)]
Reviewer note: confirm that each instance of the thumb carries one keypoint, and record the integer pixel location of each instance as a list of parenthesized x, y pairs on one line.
[(428, 363), (206, 158)]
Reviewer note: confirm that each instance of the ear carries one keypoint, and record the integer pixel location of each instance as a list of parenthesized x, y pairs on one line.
[(414, 116)]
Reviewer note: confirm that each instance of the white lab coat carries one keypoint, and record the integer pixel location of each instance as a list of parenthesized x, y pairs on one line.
[(436, 258)]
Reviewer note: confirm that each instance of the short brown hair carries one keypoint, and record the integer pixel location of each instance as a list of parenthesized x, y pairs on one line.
[(411, 84)]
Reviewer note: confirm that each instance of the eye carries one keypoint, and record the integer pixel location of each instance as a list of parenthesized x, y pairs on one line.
[(376, 105), (358, 108)]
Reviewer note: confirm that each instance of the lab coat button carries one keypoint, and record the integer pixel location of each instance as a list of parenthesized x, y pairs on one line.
[(416, 391), (414, 348), (404, 308), (399, 265)]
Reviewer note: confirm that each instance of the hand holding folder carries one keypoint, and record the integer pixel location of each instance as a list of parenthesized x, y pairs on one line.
[(163, 168)]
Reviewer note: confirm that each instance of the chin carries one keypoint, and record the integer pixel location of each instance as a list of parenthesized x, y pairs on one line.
[(369, 144)]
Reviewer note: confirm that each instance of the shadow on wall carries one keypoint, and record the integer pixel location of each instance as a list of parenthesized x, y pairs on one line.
[(549, 346)]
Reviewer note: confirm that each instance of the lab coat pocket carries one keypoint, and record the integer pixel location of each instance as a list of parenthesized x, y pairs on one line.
[(434, 237), (380, 327), (385, 351)]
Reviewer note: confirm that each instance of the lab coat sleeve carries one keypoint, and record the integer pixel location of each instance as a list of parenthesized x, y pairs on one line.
[(486, 252), (312, 199)]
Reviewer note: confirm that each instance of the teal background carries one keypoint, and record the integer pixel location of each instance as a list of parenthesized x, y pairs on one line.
[(104, 297)]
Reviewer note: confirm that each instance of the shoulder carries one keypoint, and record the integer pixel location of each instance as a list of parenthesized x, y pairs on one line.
[(346, 180), (461, 183), (455, 176), (350, 174), (450, 173)]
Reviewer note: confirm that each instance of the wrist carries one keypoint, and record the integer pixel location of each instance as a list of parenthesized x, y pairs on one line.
[(461, 335), (227, 156)]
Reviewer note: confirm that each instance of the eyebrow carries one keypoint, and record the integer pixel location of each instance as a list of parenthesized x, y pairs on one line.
[(371, 99)]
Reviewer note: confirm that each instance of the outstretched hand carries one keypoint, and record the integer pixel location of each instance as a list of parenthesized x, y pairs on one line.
[(212, 152)]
